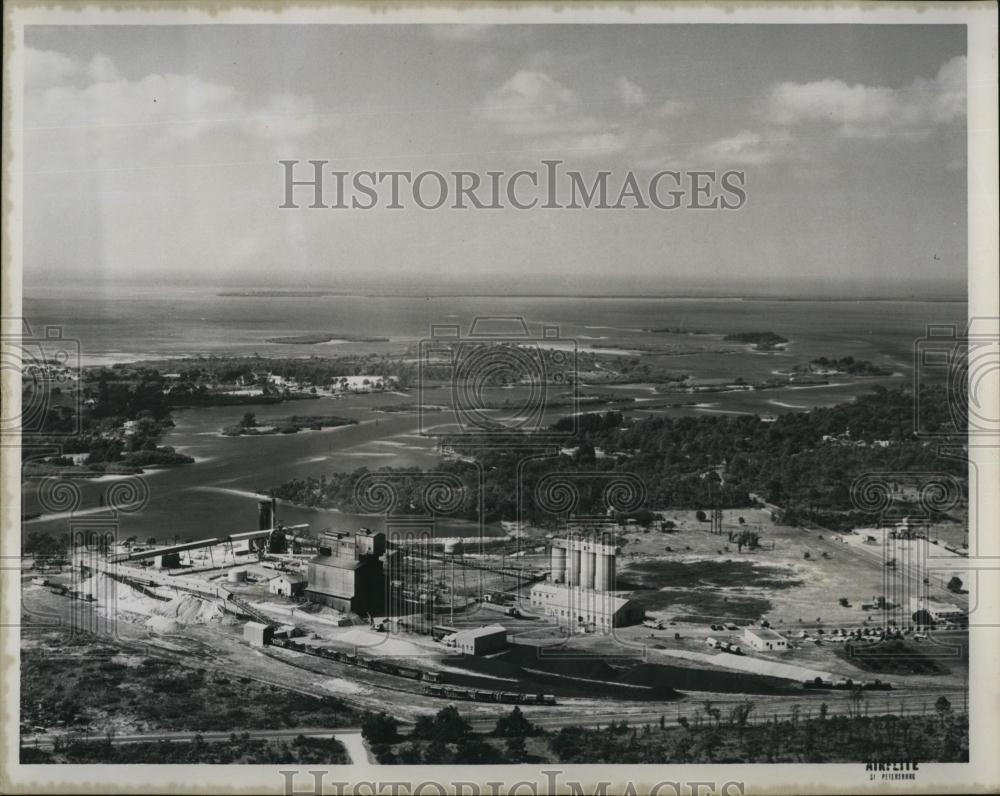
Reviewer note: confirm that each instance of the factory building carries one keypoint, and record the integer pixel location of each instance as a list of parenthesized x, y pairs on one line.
[(287, 584), (583, 564), (579, 591), (763, 639), (352, 546), (576, 606), (348, 573), (481, 640)]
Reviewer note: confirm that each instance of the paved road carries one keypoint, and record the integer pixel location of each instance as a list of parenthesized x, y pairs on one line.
[(355, 746)]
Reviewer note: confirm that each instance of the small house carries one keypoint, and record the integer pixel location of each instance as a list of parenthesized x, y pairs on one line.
[(287, 584), (258, 634)]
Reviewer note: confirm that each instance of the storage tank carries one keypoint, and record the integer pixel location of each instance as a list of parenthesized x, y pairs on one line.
[(237, 576)]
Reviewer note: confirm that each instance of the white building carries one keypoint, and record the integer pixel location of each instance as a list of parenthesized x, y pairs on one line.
[(763, 639), (937, 611), (572, 606)]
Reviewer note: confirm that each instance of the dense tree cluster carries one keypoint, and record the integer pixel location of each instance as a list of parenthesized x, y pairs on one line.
[(803, 462), (737, 734), (732, 738)]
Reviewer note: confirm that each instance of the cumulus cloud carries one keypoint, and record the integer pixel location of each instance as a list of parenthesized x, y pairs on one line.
[(547, 116), (860, 111), (162, 108), (746, 148), (629, 93), (101, 69), (795, 115), (531, 103), (47, 67)]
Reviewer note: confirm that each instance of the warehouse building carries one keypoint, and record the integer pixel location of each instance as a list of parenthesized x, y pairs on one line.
[(481, 640), (763, 639), (573, 606)]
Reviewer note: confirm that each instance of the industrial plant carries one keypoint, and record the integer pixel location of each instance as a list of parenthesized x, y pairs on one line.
[(292, 591)]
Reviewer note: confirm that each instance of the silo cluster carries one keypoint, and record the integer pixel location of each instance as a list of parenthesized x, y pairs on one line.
[(583, 564)]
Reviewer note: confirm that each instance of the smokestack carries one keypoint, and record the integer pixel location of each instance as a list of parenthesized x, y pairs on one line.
[(266, 510)]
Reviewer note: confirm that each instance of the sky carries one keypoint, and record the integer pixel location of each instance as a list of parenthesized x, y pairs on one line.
[(151, 156)]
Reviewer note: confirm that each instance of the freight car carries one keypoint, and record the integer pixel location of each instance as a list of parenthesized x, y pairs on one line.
[(505, 697), (846, 685), (375, 664)]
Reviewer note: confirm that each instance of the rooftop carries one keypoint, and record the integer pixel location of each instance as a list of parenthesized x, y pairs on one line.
[(764, 633), (485, 630), (292, 577), (947, 608), (336, 561)]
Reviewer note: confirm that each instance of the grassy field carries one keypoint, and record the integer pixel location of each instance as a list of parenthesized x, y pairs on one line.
[(75, 682)]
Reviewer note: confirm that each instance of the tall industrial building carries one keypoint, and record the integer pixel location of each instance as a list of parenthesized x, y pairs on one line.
[(581, 584), (348, 573)]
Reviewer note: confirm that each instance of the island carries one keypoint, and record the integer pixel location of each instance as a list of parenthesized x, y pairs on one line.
[(673, 330), (845, 366), (326, 337), (248, 425), (761, 341)]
